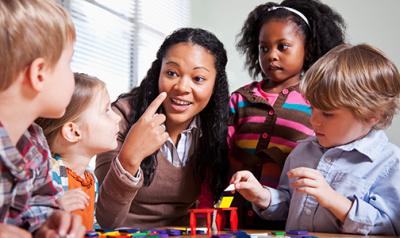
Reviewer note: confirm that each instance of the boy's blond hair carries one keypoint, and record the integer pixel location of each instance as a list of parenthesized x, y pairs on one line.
[(30, 29), (85, 90), (359, 78)]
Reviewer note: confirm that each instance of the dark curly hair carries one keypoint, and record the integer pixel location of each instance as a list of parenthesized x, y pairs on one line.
[(325, 31), (211, 164)]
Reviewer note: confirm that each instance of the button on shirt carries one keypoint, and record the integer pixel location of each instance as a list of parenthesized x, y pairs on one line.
[(366, 171), (27, 194)]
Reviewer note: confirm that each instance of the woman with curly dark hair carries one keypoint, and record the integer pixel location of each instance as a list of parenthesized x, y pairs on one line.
[(268, 117), (172, 136)]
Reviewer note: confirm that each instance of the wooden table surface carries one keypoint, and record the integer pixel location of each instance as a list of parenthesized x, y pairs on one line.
[(264, 233), (268, 233), (321, 235)]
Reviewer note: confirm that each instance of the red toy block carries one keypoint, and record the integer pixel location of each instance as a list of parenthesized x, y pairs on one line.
[(193, 218), (233, 218)]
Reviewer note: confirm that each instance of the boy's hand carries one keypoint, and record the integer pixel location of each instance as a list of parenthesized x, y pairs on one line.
[(144, 137), (249, 187), (312, 182), (61, 224), (73, 199), (11, 231)]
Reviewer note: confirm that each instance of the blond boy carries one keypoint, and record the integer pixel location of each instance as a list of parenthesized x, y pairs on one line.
[(36, 46), (346, 177)]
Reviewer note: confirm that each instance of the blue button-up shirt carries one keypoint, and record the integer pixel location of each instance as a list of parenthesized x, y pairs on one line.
[(366, 171)]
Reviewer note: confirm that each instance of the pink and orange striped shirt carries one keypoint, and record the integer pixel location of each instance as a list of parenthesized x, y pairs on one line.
[(263, 130), (265, 127)]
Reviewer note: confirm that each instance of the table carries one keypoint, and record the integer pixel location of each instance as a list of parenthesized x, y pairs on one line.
[(263, 234), (321, 235)]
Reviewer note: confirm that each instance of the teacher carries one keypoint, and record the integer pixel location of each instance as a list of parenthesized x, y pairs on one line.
[(172, 137)]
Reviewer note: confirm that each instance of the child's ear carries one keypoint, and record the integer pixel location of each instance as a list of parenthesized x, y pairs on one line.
[(71, 132), (373, 121), (36, 74)]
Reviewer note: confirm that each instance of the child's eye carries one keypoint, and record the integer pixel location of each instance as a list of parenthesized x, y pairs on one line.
[(263, 49), (282, 47), (172, 73), (327, 114)]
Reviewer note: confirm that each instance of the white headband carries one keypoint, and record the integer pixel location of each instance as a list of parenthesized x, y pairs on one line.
[(292, 10)]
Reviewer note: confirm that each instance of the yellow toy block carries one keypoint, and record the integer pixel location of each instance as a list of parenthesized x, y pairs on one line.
[(226, 202)]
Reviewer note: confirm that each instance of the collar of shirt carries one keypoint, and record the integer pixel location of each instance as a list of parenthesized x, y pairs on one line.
[(18, 159), (179, 154), (370, 145), (194, 124)]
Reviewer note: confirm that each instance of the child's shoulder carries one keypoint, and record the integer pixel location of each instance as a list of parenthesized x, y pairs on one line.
[(393, 151), (306, 153), (246, 92), (305, 148), (35, 132), (384, 154), (377, 146), (58, 168), (305, 144), (248, 87)]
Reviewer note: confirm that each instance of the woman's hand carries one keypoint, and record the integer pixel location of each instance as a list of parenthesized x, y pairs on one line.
[(249, 187), (73, 199), (144, 137)]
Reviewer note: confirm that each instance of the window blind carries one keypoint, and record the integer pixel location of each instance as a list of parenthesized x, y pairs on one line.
[(117, 40)]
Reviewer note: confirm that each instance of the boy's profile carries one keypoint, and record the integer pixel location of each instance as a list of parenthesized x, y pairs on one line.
[(36, 46)]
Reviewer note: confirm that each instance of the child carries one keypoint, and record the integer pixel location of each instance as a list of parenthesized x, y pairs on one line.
[(88, 127), (344, 179), (36, 45), (280, 42)]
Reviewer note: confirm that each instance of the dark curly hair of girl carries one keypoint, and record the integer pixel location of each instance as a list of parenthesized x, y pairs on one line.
[(210, 162), (325, 30)]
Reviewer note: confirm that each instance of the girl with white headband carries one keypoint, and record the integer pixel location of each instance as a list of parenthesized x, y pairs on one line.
[(268, 117)]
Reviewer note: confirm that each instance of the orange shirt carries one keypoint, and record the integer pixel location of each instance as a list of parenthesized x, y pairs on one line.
[(88, 186)]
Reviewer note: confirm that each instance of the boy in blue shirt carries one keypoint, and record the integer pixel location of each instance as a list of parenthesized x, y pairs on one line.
[(36, 47), (345, 178)]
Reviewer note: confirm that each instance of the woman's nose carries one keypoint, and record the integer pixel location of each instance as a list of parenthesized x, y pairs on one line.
[(183, 84)]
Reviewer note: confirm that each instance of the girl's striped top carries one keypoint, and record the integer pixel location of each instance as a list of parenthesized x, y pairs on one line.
[(264, 128)]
